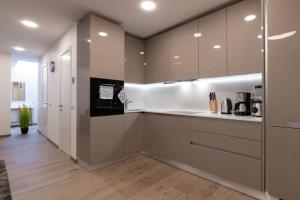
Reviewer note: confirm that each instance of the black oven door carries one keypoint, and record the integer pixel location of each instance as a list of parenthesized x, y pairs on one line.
[(104, 97)]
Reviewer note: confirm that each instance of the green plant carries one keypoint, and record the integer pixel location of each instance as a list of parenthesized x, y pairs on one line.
[(24, 116)]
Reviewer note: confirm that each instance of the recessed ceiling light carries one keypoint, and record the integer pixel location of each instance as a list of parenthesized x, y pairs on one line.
[(19, 48), (148, 5), (29, 24), (142, 53), (282, 36), (249, 18), (217, 46), (176, 57), (103, 34), (197, 35)]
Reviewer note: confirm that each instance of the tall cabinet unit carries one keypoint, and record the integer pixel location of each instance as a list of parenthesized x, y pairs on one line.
[(212, 45), (244, 38), (283, 97), (100, 55)]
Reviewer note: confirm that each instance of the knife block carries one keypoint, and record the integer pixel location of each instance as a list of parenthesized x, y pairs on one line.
[(213, 106)]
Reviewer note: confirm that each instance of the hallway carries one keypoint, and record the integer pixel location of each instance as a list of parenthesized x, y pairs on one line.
[(38, 170)]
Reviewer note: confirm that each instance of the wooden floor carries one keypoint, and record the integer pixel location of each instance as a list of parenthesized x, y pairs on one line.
[(39, 171)]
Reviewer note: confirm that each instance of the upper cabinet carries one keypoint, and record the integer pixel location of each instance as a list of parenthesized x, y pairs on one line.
[(134, 60), (245, 37), (107, 49), (184, 52), (212, 45), (157, 59)]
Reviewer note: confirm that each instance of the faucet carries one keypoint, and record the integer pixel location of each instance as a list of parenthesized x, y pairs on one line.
[(127, 101)]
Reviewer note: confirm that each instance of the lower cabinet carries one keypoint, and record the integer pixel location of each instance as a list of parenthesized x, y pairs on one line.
[(233, 167), (133, 133), (167, 137)]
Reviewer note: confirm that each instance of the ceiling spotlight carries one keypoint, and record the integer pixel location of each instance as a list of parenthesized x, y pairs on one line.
[(197, 35), (250, 18), (217, 46), (103, 34), (148, 5), (19, 48), (29, 24), (142, 53)]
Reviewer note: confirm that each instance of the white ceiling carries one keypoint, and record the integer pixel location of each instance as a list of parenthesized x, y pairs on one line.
[(56, 16)]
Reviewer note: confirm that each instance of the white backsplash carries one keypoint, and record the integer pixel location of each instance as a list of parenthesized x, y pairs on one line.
[(192, 95)]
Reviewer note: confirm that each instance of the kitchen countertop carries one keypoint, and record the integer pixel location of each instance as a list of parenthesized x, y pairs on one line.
[(195, 113)]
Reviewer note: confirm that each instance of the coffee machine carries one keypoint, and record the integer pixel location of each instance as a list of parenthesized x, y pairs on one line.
[(243, 103), (256, 99)]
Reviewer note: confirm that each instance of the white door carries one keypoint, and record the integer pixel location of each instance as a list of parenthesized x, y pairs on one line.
[(44, 111), (65, 103)]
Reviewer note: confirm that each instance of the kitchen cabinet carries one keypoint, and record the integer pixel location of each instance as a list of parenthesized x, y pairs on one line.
[(183, 52), (157, 59), (107, 139), (283, 162), (133, 133), (213, 45), (167, 137), (134, 60), (283, 64), (244, 38), (283, 119), (107, 49)]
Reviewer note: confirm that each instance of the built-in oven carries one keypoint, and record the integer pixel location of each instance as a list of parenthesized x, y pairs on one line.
[(106, 97)]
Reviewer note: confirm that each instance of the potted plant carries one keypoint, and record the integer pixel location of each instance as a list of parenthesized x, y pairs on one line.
[(24, 118)]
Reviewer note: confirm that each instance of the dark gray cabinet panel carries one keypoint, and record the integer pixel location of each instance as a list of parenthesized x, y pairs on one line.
[(240, 169), (283, 162), (243, 38), (133, 133), (167, 137)]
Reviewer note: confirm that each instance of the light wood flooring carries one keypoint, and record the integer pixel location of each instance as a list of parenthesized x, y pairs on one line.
[(39, 171)]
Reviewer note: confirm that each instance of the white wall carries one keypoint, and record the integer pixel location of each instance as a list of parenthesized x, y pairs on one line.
[(68, 41), (5, 95), (189, 95), (26, 72)]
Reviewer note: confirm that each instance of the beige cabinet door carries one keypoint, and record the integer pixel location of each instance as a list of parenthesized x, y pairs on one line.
[(213, 45), (283, 67), (133, 133), (157, 59), (283, 162), (134, 60), (244, 42), (107, 49), (184, 52)]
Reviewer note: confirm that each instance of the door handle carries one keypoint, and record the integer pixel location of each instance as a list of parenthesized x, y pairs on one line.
[(294, 125)]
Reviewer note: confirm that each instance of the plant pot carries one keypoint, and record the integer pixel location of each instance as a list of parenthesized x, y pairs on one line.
[(24, 130)]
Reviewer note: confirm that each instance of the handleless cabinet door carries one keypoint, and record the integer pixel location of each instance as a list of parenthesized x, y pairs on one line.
[(244, 33), (134, 60), (184, 52), (107, 49), (133, 133), (283, 63), (157, 59), (212, 45), (283, 162)]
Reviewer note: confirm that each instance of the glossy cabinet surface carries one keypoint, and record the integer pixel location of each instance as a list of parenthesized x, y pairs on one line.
[(167, 137), (244, 43), (213, 45), (183, 52), (133, 133), (134, 60), (156, 59), (107, 52), (283, 63)]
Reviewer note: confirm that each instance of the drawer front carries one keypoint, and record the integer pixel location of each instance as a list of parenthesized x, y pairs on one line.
[(227, 143), (243, 170), (248, 130), (206, 125)]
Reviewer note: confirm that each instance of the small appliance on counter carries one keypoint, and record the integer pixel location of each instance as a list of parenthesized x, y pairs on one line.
[(243, 104), (256, 101), (213, 105), (226, 106)]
